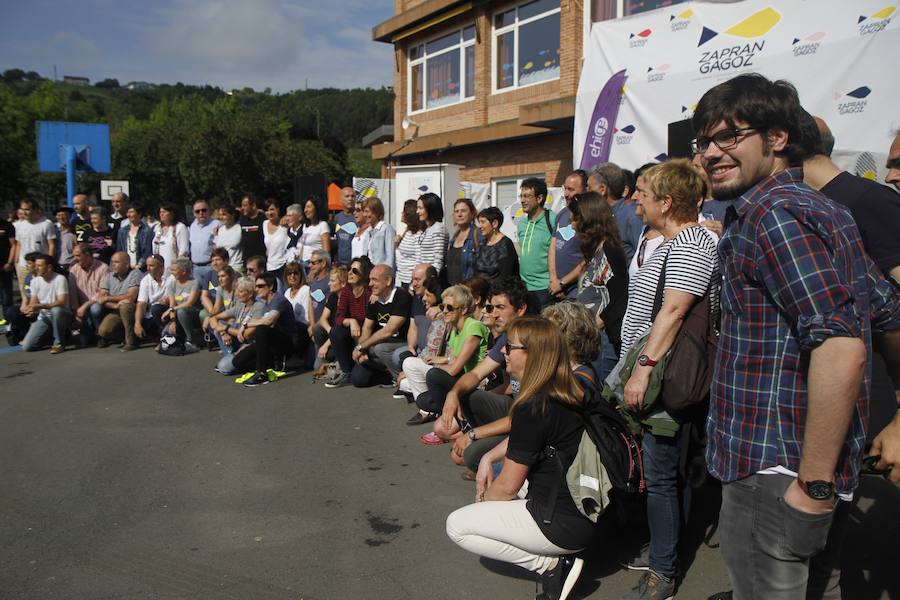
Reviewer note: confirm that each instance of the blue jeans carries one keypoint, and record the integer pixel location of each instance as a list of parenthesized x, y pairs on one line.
[(607, 359), (664, 515), (54, 326)]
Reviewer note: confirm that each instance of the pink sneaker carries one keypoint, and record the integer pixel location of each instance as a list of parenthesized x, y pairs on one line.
[(432, 439)]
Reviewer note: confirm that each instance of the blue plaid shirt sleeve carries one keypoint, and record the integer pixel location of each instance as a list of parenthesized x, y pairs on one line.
[(800, 274)]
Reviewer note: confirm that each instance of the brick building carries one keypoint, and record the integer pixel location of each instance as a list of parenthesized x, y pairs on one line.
[(490, 85)]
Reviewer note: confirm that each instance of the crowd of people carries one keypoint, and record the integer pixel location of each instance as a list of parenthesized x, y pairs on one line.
[(499, 344)]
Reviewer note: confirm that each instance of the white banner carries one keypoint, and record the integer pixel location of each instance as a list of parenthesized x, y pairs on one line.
[(840, 55)]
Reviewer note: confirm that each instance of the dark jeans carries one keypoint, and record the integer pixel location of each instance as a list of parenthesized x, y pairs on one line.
[(480, 408), (766, 544), (342, 343), (539, 299), (18, 324), (320, 336), (269, 344), (6, 291), (664, 511), (377, 369), (439, 383)]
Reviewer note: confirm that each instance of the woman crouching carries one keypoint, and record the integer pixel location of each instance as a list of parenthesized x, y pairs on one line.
[(525, 531)]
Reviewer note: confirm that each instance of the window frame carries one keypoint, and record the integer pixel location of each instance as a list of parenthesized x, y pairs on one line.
[(514, 27), (460, 48)]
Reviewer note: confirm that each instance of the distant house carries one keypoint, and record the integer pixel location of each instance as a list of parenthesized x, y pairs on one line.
[(73, 80), (139, 85)]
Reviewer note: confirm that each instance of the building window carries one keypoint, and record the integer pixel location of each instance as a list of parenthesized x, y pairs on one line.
[(526, 45), (505, 192), (442, 71), (633, 7)]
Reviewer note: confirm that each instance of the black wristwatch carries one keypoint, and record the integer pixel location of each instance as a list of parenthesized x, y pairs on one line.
[(818, 489), (646, 361)]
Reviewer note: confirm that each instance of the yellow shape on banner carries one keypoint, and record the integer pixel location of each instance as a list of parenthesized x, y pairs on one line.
[(686, 14), (519, 212), (756, 24), (884, 13), (528, 65), (870, 175)]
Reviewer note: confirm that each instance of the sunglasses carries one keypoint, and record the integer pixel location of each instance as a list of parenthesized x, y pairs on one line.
[(261, 285), (355, 271), (316, 262), (510, 347), (292, 274), (447, 307), (488, 308), (200, 210)]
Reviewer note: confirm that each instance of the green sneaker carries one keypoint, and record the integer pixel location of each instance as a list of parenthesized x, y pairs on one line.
[(274, 375), (245, 377)]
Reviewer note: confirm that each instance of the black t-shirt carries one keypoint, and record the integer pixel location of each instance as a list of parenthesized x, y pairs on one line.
[(876, 210), (331, 305), (532, 431), (102, 243), (418, 307), (286, 322), (7, 234), (399, 306), (80, 227), (614, 312), (252, 243)]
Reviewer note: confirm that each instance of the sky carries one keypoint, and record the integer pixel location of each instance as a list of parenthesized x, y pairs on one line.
[(280, 44)]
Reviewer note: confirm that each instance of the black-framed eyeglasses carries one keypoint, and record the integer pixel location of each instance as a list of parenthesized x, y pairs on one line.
[(510, 347), (488, 308), (447, 307), (725, 139)]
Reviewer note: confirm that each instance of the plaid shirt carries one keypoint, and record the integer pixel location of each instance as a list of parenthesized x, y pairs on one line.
[(795, 274)]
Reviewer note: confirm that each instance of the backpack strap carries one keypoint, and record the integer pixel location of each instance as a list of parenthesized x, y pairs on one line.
[(550, 453), (660, 287), (547, 219)]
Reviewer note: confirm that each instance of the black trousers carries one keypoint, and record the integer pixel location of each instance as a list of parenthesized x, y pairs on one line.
[(342, 343), (439, 382), (269, 343)]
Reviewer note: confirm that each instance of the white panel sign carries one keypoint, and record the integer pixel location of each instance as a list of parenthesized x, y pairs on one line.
[(110, 188)]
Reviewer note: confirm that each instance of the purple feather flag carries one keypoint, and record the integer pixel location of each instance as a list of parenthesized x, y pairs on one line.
[(603, 120)]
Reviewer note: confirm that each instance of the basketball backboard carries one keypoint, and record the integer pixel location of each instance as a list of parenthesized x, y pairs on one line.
[(90, 140)]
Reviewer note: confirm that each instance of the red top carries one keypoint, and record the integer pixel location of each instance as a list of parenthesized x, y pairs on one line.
[(350, 307)]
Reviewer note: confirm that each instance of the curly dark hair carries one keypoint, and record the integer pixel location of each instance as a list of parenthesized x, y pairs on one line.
[(594, 221)]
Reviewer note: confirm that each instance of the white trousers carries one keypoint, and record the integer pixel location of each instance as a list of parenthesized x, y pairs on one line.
[(415, 370), (503, 531)]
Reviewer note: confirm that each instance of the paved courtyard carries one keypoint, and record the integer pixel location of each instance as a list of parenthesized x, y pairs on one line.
[(142, 476)]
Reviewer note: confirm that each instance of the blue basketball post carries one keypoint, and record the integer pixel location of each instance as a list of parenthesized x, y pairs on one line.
[(72, 147)]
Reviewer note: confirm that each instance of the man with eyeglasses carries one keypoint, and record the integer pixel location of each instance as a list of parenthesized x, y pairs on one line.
[(535, 232), (317, 280), (383, 331), (565, 260), (201, 232), (256, 266), (484, 414), (345, 226), (790, 393)]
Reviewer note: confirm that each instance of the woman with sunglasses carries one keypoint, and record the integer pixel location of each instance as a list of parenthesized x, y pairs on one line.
[(430, 379), (408, 243), (275, 238), (497, 256), (297, 293), (359, 245), (229, 325), (228, 236), (349, 317), (539, 533)]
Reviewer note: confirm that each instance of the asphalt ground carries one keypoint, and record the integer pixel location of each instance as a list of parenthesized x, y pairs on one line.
[(142, 476)]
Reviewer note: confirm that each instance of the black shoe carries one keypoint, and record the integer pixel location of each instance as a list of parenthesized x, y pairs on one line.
[(421, 419), (257, 379), (129, 347), (102, 343), (558, 582)]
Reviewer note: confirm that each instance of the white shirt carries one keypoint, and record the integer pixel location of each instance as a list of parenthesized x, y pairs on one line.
[(276, 246), (300, 301), (230, 239), (48, 292), (151, 291), (171, 242), (33, 237), (311, 239), (359, 245)]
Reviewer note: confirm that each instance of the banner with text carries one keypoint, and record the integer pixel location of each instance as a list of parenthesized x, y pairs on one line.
[(840, 55)]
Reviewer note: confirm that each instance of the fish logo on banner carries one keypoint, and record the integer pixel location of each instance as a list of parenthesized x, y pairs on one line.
[(808, 45), (739, 55), (624, 135), (681, 21), (655, 74), (603, 120), (875, 22), (853, 101), (639, 40)]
